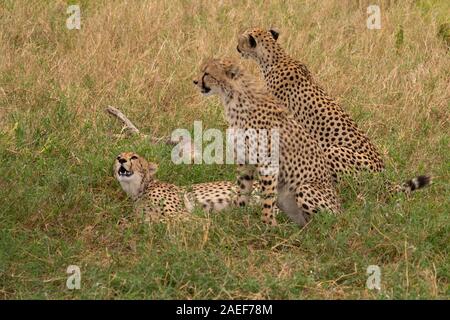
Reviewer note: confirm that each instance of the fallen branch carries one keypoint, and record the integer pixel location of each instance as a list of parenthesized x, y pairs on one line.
[(128, 124), (130, 128)]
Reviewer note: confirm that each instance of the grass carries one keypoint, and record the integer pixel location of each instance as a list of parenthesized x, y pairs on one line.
[(60, 205)]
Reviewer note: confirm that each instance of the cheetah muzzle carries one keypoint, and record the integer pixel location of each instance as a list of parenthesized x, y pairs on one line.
[(124, 172)]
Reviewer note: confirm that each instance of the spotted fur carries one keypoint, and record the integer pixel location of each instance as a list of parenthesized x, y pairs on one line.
[(303, 183), (347, 148), (153, 198)]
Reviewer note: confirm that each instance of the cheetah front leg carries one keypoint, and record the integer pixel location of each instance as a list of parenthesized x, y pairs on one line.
[(246, 175), (269, 184), (147, 212)]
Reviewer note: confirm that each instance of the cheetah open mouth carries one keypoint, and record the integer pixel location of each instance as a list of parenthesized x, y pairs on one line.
[(124, 172)]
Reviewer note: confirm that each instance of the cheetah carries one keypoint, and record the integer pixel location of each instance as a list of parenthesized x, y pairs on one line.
[(153, 198), (302, 184), (347, 149)]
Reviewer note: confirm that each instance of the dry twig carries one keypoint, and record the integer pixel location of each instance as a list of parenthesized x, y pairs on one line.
[(128, 124), (130, 128)]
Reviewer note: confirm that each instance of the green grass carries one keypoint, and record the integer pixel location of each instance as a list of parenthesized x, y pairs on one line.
[(61, 206)]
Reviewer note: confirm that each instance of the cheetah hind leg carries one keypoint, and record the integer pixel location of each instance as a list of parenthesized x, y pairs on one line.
[(287, 203), (306, 201), (342, 160)]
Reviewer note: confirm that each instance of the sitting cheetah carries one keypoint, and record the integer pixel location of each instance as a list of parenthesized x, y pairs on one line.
[(154, 198), (303, 183), (346, 147)]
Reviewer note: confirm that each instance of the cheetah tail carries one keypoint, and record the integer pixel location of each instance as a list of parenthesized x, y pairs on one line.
[(414, 184)]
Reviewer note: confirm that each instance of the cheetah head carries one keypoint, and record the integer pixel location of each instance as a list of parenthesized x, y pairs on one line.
[(133, 171), (216, 76), (258, 44)]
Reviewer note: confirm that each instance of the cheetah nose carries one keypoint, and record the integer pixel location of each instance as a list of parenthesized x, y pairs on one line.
[(122, 161), (195, 82)]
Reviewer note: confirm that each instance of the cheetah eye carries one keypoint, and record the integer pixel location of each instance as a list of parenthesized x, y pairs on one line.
[(118, 158), (133, 158), (252, 41)]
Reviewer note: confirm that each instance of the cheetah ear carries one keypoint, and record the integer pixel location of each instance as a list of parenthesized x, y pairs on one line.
[(152, 168), (275, 33), (232, 71)]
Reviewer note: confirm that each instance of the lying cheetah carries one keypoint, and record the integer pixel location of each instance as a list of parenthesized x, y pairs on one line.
[(303, 182), (346, 147), (154, 198)]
